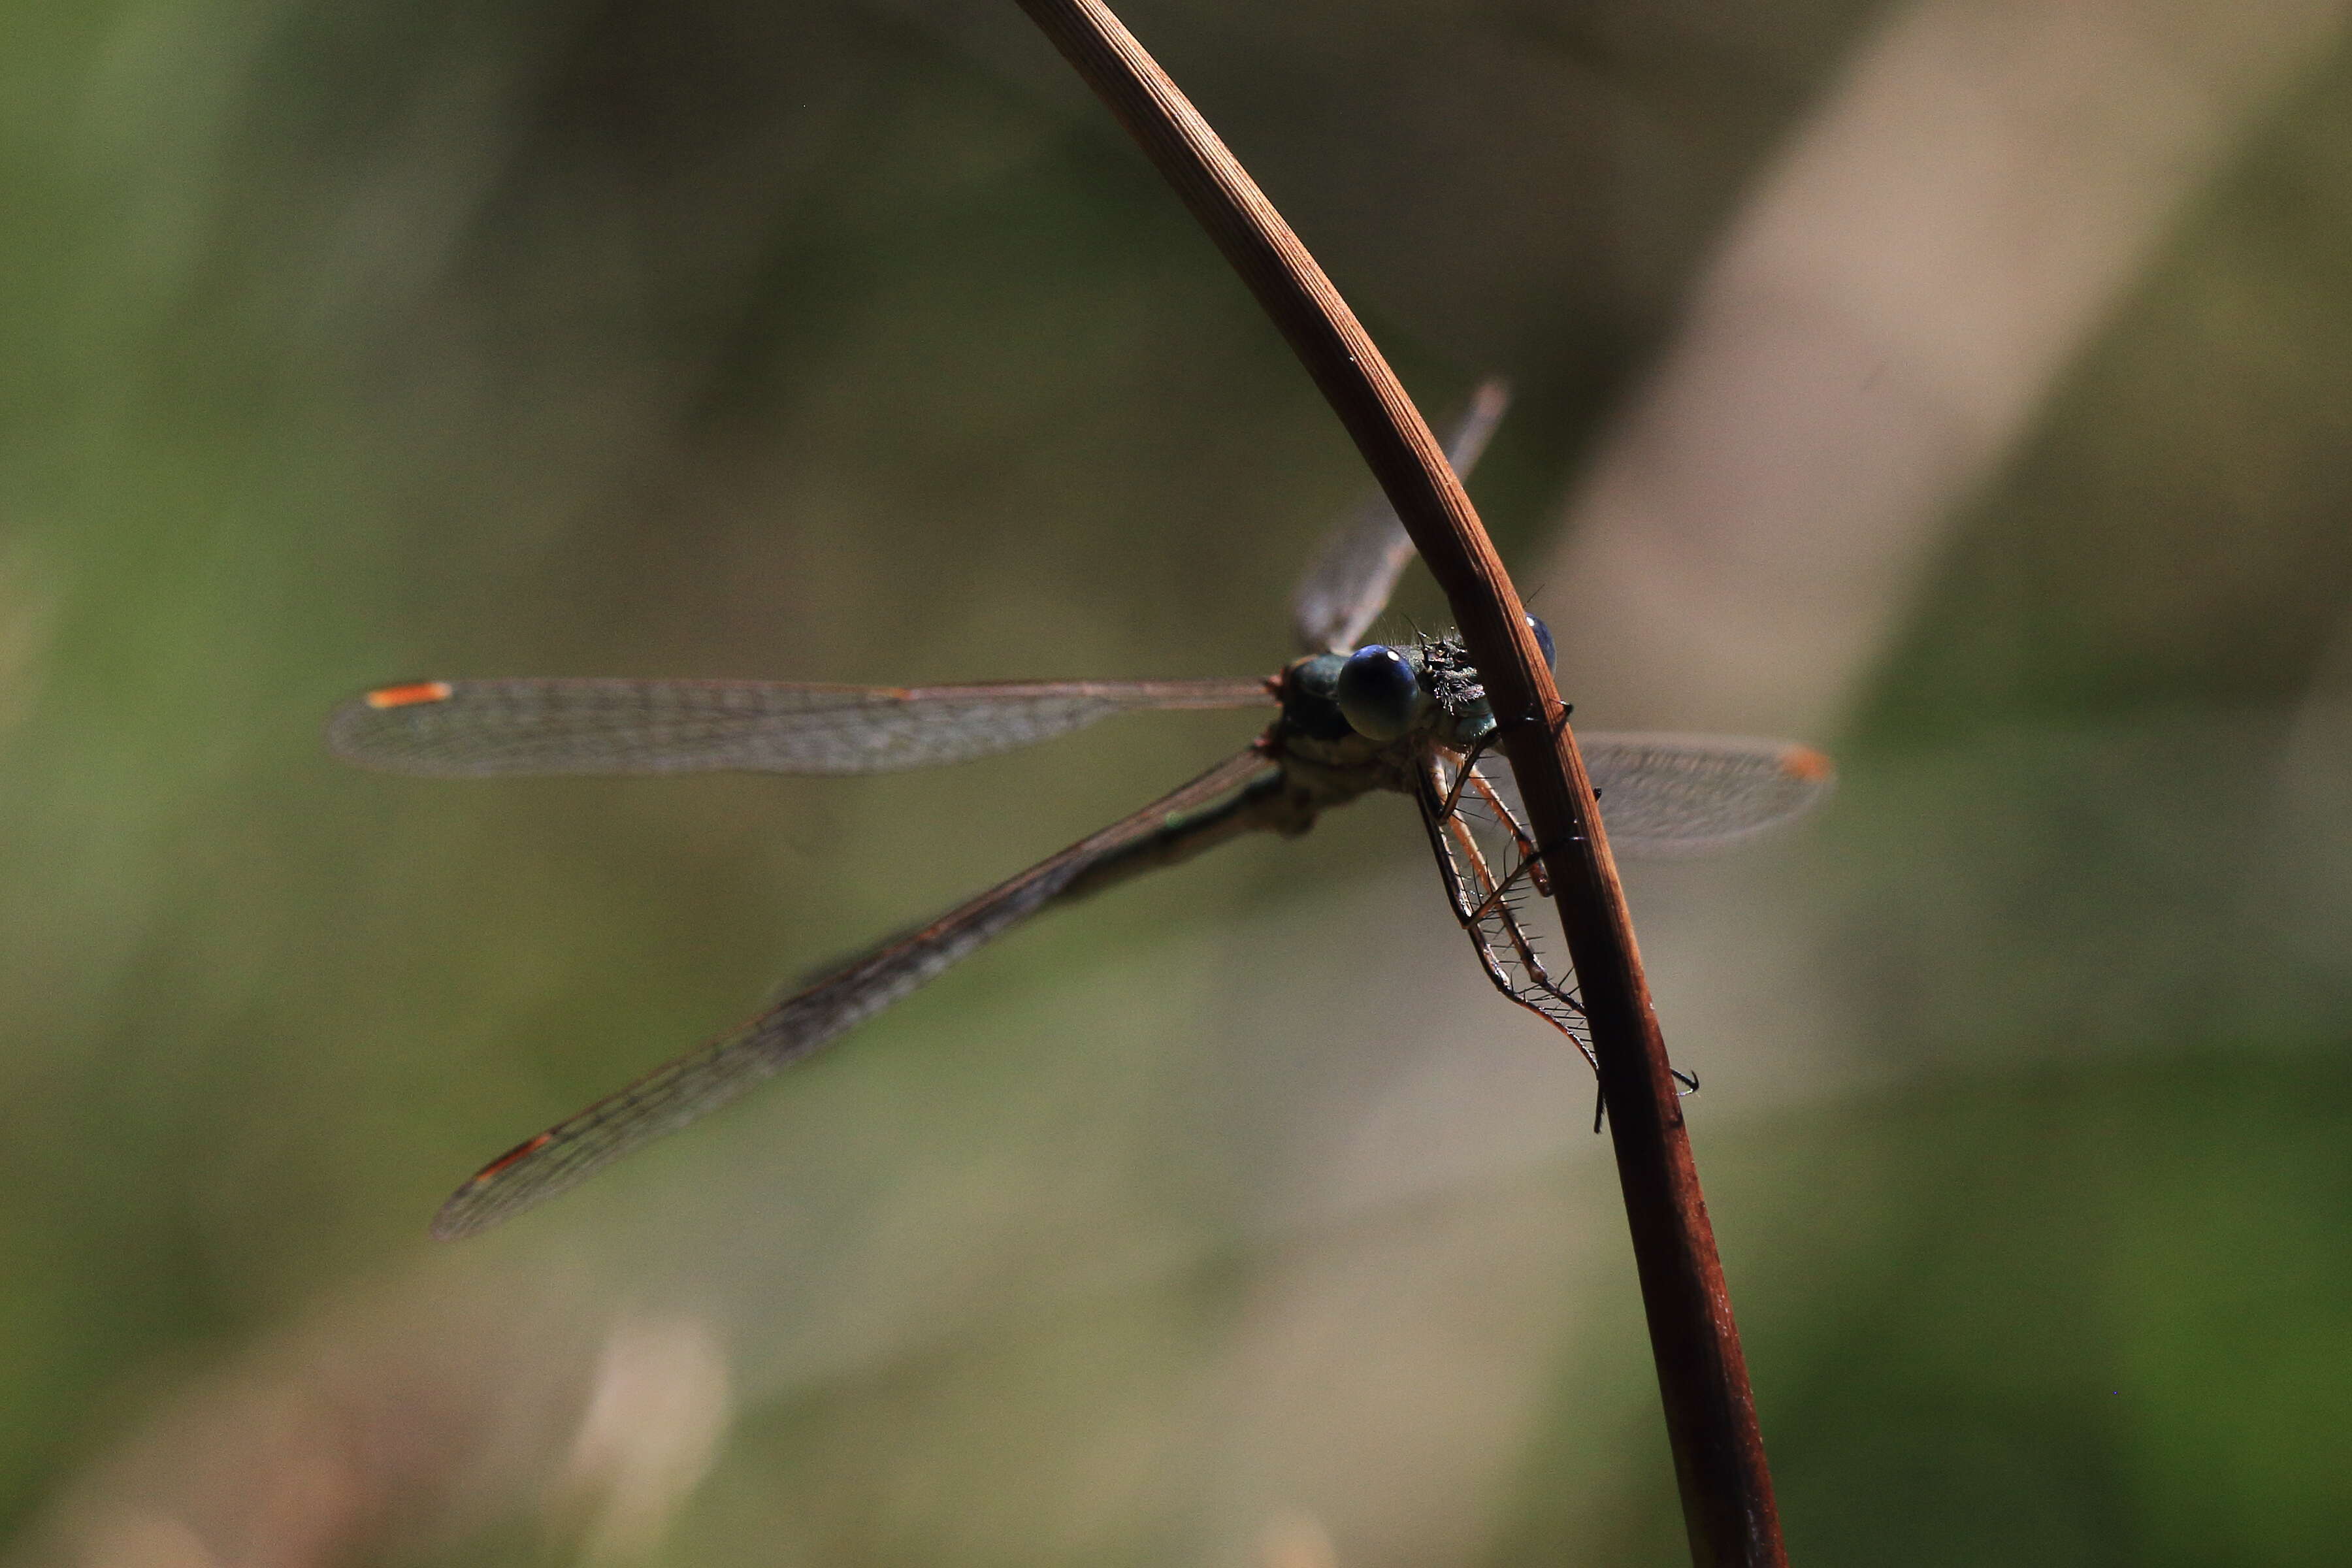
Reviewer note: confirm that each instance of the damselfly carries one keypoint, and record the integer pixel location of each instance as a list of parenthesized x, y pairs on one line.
[(1350, 720)]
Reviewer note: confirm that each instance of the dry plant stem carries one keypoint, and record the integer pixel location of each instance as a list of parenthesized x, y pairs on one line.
[(1719, 1464)]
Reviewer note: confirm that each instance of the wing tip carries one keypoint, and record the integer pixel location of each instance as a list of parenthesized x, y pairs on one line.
[(469, 1211), (1807, 765), (365, 730), (453, 1222), (465, 1213), (408, 694), (461, 1213)]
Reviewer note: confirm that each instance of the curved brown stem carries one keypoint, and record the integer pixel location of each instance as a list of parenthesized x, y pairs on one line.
[(1727, 1489)]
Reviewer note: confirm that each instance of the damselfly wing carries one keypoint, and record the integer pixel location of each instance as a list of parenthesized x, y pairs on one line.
[(1349, 720)]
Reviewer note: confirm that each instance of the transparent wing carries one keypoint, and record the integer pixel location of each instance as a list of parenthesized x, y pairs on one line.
[(1357, 569), (1682, 794), (700, 1082), (464, 728)]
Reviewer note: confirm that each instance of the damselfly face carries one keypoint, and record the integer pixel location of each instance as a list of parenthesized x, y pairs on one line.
[(1370, 715), (1413, 718)]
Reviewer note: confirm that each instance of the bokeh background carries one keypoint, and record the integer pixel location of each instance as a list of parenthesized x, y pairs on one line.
[(1964, 387)]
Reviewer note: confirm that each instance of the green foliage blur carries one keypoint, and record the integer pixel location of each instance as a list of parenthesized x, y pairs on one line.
[(347, 344)]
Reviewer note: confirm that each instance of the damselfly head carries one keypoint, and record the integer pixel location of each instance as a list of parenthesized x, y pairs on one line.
[(1384, 694), (1379, 691)]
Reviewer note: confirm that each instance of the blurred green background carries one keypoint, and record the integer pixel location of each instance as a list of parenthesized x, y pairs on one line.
[(848, 341)]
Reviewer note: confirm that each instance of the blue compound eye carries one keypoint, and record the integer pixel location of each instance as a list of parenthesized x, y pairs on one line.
[(1378, 692), (1543, 640)]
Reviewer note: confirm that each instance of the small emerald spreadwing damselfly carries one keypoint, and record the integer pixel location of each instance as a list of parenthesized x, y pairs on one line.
[(1350, 720)]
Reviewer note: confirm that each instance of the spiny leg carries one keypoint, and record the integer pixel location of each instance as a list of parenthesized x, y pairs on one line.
[(1531, 862), (1497, 904), (1530, 859), (1523, 843), (1482, 905), (1492, 911), (1498, 907)]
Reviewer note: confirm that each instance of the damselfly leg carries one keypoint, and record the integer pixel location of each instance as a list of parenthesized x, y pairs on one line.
[(1473, 830), (1459, 813)]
